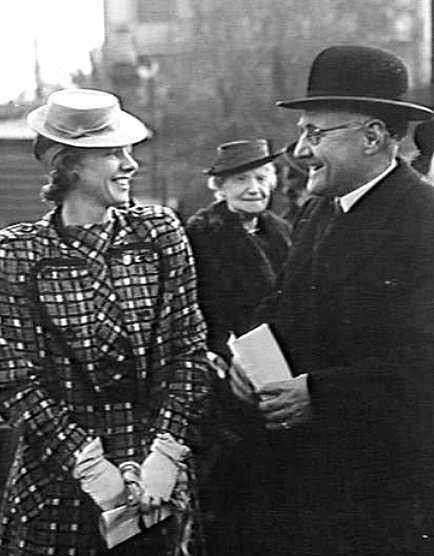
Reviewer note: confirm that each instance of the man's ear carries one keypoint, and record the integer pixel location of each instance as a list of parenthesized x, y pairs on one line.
[(375, 133)]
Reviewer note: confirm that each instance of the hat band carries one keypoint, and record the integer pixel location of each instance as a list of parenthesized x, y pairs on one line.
[(81, 131)]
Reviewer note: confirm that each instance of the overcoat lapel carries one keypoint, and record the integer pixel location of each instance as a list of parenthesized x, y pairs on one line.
[(301, 252), (355, 237)]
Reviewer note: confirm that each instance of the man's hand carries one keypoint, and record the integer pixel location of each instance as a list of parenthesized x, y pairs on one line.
[(240, 384), (285, 404)]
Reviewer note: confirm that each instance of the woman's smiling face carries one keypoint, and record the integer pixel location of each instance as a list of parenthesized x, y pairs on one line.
[(249, 192), (104, 176)]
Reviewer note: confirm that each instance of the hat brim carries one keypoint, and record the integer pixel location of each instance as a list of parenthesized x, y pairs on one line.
[(410, 110), (251, 165), (129, 131)]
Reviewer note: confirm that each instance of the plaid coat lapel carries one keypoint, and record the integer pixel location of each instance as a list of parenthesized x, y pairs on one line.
[(74, 288), (99, 289)]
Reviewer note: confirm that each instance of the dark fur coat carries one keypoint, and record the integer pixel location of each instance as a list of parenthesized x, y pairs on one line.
[(236, 269)]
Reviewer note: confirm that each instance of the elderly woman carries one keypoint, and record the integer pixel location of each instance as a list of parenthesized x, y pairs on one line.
[(239, 247), (238, 244), (102, 355)]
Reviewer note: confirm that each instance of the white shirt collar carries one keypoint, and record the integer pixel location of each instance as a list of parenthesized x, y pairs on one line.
[(350, 199)]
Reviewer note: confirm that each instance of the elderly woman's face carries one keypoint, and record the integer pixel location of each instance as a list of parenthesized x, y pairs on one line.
[(104, 176), (250, 191)]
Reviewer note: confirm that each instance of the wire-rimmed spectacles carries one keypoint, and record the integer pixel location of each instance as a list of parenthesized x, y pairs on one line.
[(314, 134)]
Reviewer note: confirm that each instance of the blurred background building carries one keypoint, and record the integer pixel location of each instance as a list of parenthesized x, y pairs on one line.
[(199, 72)]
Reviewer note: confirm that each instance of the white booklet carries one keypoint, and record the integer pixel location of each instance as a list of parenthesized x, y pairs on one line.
[(122, 523), (260, 356), (119, 524)]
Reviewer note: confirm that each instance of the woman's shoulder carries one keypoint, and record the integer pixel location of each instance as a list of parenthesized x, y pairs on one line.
[(158, 218), (156, 223), (211, 217), (151, 212), (21, 232), (22, 244)]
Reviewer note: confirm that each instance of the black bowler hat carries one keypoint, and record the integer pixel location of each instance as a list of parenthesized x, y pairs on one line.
[(359, 75), (240, 156)]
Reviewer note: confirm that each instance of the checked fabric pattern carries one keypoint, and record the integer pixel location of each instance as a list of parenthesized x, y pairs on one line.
[(100, 335)]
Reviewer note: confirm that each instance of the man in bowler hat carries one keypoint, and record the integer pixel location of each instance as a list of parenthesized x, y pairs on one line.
[(345, 465)]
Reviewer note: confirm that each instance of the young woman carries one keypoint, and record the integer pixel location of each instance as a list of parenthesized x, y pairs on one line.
[(102, 354)]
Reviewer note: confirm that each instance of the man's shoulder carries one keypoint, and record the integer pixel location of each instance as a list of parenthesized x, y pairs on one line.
[(417, 190)]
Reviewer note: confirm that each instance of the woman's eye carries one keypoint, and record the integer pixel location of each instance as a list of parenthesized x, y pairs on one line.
[(115, 152)]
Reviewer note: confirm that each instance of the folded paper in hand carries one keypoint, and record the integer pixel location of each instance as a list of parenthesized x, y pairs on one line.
[(122, 523), (119, 524), (260, 356)]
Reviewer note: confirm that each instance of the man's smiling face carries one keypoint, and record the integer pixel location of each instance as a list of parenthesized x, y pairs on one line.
[(336, 157)]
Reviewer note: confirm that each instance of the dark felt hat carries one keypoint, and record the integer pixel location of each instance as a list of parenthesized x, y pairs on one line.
[(359, 76), (240, 156)]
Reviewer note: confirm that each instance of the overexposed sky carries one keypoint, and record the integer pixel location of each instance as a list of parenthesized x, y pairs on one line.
[(64, 31)]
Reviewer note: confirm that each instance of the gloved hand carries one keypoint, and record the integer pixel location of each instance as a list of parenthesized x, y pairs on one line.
[(99, 478), (153, 483), (158, 475)]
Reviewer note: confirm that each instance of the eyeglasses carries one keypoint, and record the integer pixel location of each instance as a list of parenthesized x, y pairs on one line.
[(314, 134)]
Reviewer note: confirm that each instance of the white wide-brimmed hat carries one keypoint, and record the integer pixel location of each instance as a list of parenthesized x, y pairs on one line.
[(87, 118)]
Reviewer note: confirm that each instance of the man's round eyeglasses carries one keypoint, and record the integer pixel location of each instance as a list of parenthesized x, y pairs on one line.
[(314, 134)]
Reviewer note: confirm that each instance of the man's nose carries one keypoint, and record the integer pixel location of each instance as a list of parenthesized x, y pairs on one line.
[(302, 148)]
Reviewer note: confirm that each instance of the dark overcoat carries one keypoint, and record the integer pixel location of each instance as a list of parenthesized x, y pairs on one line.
[(356, 315), (236, 270)]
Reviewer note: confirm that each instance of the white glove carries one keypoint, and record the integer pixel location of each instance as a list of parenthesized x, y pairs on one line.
[(99, 478), (159, 474), (160, 470)]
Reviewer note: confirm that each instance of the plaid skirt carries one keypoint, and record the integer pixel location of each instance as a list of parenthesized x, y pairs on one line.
[(68, 526)]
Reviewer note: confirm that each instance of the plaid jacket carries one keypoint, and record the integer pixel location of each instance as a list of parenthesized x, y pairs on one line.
[(100, 335)]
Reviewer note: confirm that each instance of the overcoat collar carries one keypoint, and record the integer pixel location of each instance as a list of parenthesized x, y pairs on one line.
[(355, 236)]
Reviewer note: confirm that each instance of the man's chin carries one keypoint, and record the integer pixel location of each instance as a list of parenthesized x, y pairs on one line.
[(316, 186)]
